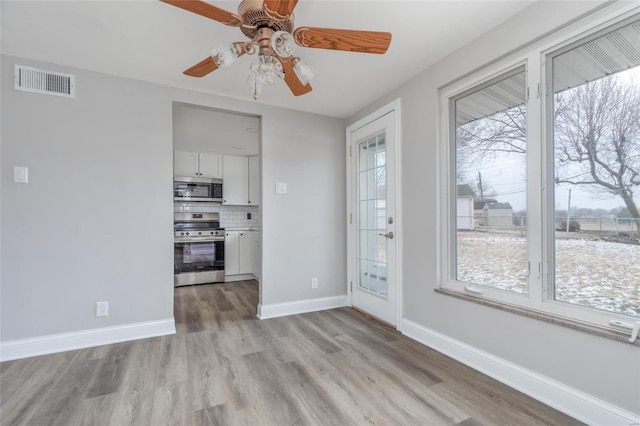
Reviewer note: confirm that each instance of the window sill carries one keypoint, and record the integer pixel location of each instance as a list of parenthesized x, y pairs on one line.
[(543, 316)]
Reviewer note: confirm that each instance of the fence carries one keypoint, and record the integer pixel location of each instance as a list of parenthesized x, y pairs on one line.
[(602, 225), (592, 225)]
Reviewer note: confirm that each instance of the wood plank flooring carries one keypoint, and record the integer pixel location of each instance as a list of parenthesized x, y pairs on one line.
[(226, 367)]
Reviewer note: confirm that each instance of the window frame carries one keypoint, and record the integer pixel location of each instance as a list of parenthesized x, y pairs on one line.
[(536, 59)]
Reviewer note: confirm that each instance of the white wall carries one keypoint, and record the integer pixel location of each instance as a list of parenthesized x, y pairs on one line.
[(606, 369), (94, 222), (82, 230), (221, 132)]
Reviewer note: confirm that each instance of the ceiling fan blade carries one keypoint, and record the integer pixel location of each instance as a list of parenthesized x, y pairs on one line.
[(279, 9), (208, 65), (202, 68), (348, 40), (292, 80), (208, 11)]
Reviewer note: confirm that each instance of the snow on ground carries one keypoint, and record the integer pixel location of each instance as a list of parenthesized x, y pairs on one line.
[(598, 274)]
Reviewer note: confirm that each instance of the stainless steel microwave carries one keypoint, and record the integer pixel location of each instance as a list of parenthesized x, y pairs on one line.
[(197, 189)]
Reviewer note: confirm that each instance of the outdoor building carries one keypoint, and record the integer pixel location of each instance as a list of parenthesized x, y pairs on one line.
[(478, 209), (497, 214), (464, 207)]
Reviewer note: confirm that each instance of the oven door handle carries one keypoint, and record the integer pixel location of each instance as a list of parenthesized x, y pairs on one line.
[(199, 240)]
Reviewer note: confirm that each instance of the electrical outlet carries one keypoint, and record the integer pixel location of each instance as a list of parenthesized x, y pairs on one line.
[(314, 282), (102, 309)]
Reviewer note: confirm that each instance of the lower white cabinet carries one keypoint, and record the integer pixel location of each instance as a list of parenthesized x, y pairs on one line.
[(245, 252), (239, 249)]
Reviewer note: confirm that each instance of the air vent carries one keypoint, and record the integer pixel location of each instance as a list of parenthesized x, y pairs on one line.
[(45, 82)]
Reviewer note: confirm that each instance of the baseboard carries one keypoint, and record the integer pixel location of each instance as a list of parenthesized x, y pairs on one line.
[(572, 402), (240, 277), (275, 310), (24, 348)]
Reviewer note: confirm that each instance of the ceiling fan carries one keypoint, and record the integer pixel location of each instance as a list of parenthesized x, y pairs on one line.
[(269, 26)]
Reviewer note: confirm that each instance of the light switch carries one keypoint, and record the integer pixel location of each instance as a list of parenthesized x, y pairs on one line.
[(21, 175), (281, 188)]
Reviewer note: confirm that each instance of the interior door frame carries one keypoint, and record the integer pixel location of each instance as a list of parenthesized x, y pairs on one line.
[(393, 106)]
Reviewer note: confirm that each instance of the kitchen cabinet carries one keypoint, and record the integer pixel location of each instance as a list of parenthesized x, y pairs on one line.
[(231, 247), (235, 175), (239, 252), (246, 249), (253, 183), (197, 164), (257, 255)]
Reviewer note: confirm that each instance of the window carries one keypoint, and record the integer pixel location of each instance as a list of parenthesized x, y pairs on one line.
[(490, 151), (372, 208), (543, 178), (596, 169)]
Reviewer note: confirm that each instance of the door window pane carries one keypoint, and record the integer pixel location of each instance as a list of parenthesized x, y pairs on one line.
[(372, 246), (490, 204), (596, 124)]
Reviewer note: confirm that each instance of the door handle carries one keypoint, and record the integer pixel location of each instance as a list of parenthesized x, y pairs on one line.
[(388, 235)]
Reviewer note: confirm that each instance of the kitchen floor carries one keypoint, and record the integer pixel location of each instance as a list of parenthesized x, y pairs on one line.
[(226, 367)]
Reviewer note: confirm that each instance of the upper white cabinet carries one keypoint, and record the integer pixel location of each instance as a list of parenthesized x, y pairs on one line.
[(235, 175), (210, 165), (240, 175), (254, 181), (197, 164)]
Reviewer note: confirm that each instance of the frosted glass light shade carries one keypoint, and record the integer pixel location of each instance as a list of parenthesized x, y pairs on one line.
[(282, 43), (303, 71), (265, 69), (224, 55)]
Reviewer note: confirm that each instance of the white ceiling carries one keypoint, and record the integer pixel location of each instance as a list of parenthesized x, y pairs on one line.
[(153, 41)]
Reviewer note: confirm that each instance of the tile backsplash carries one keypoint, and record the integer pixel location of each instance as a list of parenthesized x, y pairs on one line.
[(230, 216)]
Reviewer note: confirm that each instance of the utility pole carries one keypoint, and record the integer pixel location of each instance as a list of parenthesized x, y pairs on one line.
[(480, 185), (568, 210)]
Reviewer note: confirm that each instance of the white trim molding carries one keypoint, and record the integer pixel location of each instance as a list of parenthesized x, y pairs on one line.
[(395, 107), (570, 401), (275, 310), (24, 348)]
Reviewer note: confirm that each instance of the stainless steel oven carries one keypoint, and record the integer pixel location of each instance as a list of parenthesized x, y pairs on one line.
[(198, 249)]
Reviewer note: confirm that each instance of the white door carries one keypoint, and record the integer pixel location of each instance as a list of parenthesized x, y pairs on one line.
[(373, 242)]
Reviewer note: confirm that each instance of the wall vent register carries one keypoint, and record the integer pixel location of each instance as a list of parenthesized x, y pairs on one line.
[(36, 80)]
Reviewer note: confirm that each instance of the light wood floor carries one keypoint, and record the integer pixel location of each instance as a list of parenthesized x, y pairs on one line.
[(225, 367)]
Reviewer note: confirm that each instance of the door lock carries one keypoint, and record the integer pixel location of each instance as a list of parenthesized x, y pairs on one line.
[(388, 235)]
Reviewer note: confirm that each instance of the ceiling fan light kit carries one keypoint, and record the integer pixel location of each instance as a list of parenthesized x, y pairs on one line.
[(269, 24), (303, 71), (283, 44), (264, 71), (225, 54)]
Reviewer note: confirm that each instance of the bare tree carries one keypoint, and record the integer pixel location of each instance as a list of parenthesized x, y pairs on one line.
[(504, 131), (597, 137)]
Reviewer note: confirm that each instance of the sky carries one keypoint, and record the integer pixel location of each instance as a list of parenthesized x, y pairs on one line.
[(506, 176)]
